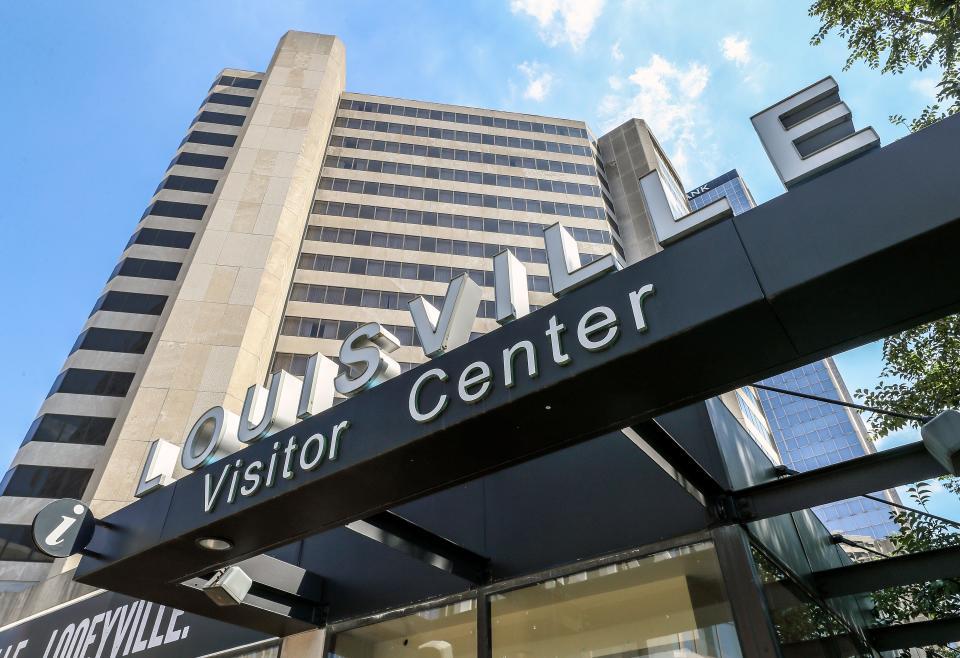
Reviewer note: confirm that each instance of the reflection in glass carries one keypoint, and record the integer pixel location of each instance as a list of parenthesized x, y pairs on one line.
[(445, 632), (670, 604)]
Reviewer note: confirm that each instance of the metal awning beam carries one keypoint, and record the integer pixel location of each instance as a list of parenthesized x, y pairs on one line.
[(891, 572)]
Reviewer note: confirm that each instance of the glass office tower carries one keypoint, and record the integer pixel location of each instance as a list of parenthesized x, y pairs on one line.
[(811, 434)]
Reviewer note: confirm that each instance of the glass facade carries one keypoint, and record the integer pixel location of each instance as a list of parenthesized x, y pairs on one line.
[(669, 604), (810, 434)]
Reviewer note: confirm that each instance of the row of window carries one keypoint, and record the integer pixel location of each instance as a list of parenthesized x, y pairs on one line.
[(234, 81), (413, 271), (45, 481), (17, 545), (82, 381), (188, 159), (422, 243), (296, 364), (66, 428), (463, 136), (161, 237), (146, 268), (340, 329), (176, 209), (461, 176), (229, 99), (222, 118), (188, 184), (462, 198), (462, 117), (385, 299), (118, 301), (478, 157), (447, 220), (101, 339), (213, 139)]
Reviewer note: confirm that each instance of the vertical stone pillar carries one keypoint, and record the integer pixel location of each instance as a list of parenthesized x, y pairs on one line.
[(218, 334)]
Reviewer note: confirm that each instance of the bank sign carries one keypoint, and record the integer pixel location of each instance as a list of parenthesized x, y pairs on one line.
[(108, 625)]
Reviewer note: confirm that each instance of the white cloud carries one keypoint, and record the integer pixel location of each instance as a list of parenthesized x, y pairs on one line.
[(539, 80), (616, 53), (926, 87), (560, 21), (736, 49), (667, 96), (615, 83)]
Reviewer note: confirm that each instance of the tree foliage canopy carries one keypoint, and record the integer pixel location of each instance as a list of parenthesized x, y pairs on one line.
[(894, 35)]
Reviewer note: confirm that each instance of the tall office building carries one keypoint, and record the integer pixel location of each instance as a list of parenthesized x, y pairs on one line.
[(292, 212), (811, 434)]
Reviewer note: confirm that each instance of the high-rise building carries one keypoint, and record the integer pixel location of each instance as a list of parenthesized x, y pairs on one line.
[(292, 212), (811, 434)]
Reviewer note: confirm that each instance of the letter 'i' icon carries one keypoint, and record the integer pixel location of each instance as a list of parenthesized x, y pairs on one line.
[(63, 528)]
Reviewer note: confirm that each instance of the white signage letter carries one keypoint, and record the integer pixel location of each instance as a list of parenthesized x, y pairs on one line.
[(442, 331), (365, 347), (510, 287), (811, 131), (667, 206), (158, 469), (213, 436), (277, 409), (563, 259)]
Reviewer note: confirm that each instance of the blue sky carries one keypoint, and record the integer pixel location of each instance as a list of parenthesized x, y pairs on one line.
[(99, 95)]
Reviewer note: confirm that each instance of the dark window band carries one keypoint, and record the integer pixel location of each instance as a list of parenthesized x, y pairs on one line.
[(161, 237), (200, 160), (340, 329), (462, 198), (461, 155), (176, 209), (461, 175), (188, 184), (422, 243), (92, 382), (385, 299), (45, 481), (413, 271), (214, 139), (229, 99), (16, 544), (447, 220), (66, 428), (222, 118), (146, 268), (130, 302), (462, 117), (463, 136), (242, 83), (112, 340), (296, 364)]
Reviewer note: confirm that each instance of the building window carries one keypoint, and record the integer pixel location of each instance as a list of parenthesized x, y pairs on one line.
[(65, 428), (176, 209), (160, 237), (188, 159), (242, 83), (16, 544), (100, 339), (669, 604), (188, 184), (45, 481), (221, 118), (464, 118), (81, 381), (230, 99), (147, 269), (214, 139), (130, 302), (476, 157), (447, 632)]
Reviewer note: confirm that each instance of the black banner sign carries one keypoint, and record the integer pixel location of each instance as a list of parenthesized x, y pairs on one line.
[(109, 625)]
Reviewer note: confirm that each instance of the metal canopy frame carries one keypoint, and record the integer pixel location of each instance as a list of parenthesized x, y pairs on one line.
[(814, 271)]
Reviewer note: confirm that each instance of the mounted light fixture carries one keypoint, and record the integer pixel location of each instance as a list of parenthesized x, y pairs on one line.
[(215, 544), (228, 586)]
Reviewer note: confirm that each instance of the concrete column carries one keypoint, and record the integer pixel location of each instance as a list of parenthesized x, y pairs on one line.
[(218, 334), (304, 645)]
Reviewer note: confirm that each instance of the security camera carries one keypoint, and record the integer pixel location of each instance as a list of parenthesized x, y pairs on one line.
[(228, 586)]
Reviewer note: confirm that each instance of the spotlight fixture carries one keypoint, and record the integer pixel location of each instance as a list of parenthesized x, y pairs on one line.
[(228, 586), (215, 544)]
